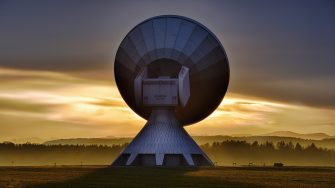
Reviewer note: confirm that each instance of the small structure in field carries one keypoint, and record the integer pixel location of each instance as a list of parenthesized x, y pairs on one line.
[(278, 164)]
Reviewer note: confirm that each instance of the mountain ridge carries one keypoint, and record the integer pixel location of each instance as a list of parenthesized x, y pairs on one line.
[(326, 141), (312, 136)]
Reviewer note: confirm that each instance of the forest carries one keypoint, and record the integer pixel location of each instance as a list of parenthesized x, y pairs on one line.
[(243, 153), (227, 153)]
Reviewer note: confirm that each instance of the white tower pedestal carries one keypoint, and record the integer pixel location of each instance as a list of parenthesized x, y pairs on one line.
[(163, 142)]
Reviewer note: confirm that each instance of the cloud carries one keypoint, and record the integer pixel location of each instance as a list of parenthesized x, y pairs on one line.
[(315, 92), (244, 114), (68, 102), (284, 54), (56, 65), (60, 105)]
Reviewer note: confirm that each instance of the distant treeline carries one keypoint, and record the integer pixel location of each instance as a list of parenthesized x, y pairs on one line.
[(39, 154), (324, 143), (201, 140), (230, 152), (242, 153)]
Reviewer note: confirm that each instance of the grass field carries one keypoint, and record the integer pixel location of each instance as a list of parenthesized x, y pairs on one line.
[(102, 176)]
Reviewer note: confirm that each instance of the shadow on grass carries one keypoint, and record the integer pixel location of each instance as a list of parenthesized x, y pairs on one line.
[(144, 177)]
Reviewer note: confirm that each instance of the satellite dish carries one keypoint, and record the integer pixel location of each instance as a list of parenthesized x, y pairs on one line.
[(172, 71), (179, 41)]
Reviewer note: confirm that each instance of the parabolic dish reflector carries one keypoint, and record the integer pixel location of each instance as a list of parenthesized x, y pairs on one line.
[(175, 40)]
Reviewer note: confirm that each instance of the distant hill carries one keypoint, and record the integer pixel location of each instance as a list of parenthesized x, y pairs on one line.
[(25, 140), (109, 141), (325, 143), (312, 136)]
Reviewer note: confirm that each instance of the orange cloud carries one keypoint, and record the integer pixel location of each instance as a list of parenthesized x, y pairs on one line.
[(77, 107)]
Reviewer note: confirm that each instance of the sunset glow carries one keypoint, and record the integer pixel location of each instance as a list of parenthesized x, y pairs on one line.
[(58, 105), (57, 67)]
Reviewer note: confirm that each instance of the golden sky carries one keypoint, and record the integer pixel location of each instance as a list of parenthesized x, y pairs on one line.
[(48, 105), (56, 66)]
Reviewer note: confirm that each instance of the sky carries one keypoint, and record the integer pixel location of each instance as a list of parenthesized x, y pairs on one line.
[(57, 59)]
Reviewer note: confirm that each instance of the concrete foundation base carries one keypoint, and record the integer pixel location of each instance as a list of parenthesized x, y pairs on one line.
[(163, 142)]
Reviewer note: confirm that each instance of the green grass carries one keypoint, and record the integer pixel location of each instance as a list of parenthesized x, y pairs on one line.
[(102, 176)]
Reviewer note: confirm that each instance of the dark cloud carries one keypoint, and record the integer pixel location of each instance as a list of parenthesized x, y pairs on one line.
[(280, 50), (60, 36), (284, 51)]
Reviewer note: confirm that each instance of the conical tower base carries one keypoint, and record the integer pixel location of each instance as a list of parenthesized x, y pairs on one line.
[(163, 142)]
